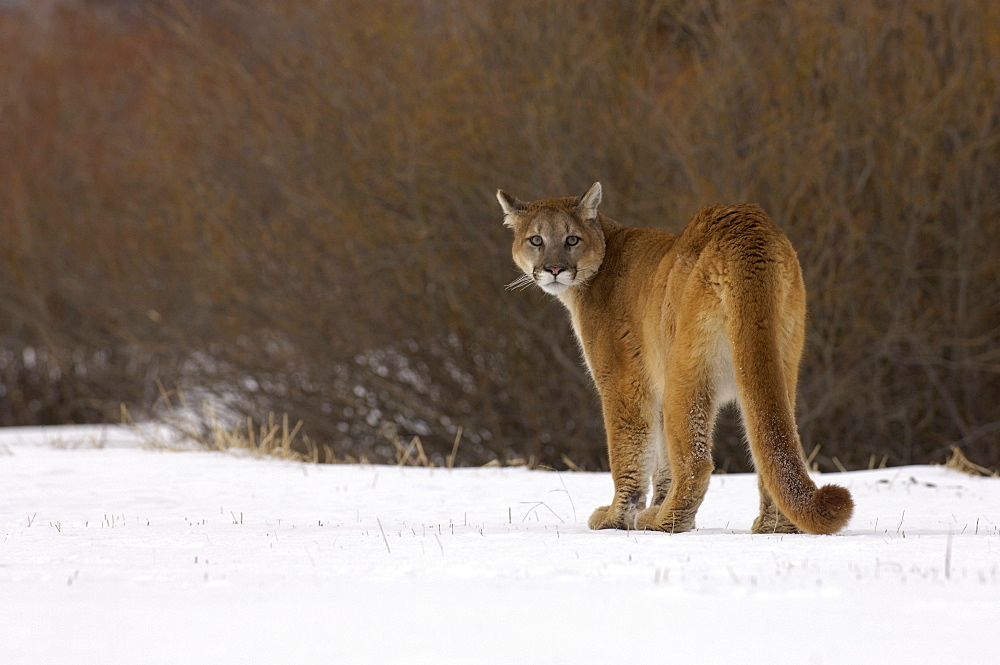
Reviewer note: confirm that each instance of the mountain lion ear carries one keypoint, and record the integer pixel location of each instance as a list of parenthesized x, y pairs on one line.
[(589, 202), (510, 205)]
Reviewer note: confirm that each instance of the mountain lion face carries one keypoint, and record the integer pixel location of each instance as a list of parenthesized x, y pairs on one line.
[(558, 243)]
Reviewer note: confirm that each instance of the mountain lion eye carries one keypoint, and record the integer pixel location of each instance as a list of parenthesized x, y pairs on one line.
[(535, 240), (572, 240)]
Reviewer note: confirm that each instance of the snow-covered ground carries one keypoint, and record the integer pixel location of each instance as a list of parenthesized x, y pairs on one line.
[(115, 553)]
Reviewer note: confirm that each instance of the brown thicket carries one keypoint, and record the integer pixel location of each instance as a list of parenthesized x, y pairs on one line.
[(287, 208)]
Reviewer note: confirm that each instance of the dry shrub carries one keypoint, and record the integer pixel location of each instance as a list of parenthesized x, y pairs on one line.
[(287, 207)]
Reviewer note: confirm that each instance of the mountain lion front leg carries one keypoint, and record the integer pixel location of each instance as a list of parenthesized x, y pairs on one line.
[(627, 419)]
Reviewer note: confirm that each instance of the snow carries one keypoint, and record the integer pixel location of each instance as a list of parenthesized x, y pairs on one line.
[(113, 552)]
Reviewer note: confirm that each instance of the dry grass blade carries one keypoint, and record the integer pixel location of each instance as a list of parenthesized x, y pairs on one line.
[(421, 455), (450, 461), (570, 464), (959, 462), (811, 460)]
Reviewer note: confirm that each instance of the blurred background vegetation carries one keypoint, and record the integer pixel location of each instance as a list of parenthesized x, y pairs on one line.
[(286, 208)]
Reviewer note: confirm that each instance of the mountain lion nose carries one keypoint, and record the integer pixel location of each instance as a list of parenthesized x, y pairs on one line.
[(555, 270)]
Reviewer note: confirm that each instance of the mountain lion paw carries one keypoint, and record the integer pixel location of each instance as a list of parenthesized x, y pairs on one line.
[(606, 518), (774, 524), (675, 521)]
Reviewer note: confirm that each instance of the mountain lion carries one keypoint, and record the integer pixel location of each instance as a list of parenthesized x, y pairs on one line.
[(673, 327)]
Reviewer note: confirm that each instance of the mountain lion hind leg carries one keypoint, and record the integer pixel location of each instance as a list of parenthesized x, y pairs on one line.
[(771, 520), (661, 465), (689, 409)]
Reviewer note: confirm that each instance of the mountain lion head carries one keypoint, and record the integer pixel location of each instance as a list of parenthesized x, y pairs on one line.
[(558, 243)]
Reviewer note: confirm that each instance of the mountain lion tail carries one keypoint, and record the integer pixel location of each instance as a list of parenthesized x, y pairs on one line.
[(760, 317)]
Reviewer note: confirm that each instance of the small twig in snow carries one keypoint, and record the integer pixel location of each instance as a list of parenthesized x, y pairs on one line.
[(947, 557), (386, 540)]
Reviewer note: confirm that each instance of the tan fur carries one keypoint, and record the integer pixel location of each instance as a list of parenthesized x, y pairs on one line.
[(671, 328)]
